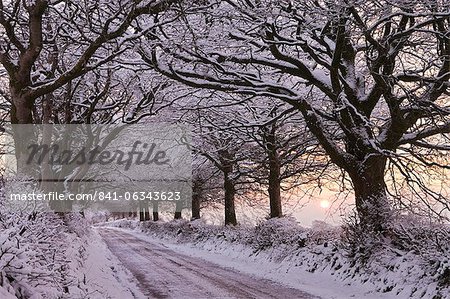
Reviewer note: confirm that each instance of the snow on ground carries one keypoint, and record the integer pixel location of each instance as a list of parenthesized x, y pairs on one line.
[(90, 271), (102, 275), (47, 258), (242, 259), (313, 260), (165, 273), (5, 294), (44, 255)]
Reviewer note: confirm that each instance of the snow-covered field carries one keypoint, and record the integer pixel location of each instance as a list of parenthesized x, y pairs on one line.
[(320, 260)]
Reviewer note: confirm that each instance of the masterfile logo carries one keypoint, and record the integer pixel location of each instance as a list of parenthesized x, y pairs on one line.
[(114, 167), (55, 156)]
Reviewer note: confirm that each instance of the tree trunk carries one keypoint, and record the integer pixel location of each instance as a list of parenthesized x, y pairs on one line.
[(21, 108), (372, 203), (275, 193), (141, 214), (21, 114), (230, 191), (274, 176), (196, 198), (155, 211), (178, 208), (146, 212), (227, 160)]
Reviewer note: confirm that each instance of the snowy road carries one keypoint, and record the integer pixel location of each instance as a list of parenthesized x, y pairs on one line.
[(164, 273)]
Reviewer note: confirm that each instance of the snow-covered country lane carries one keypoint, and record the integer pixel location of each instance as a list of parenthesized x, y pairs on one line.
[(164, 273)]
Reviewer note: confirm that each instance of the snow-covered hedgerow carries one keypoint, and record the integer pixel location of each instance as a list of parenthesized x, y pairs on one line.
[(40, 251), (412, 260)]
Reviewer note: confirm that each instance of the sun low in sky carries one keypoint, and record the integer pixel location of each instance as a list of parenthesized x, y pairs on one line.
[(325, 204)]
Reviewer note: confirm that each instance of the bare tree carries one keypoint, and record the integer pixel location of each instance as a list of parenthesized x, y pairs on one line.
[(285, 153), (223, 151), (205, 185), (369, 77), (222, 148), (47, 44), (282, 153)]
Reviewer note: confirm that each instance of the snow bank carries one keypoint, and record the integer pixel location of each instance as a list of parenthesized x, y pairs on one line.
[(411, 261), (44, 255), (101, 275), (32, 255)]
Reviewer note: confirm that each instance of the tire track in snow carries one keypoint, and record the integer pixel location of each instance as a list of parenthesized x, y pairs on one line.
[(164, 273)]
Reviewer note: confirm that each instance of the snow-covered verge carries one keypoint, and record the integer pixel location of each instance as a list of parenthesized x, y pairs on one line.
[(33, 254), (103, 275), (411, 262), (45, 255)]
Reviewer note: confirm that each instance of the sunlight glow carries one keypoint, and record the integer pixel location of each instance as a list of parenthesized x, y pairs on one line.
[(325, 204)]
